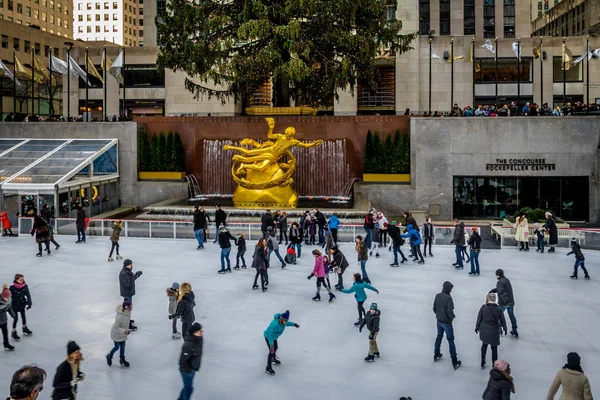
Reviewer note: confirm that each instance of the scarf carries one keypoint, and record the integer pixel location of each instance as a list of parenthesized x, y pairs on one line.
[(19, 285), (510, 380), (573, 367)]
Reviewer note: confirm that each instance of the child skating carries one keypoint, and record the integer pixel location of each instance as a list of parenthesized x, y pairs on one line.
[(358, 288), (21, 301), (114, 239), (539, 234), (372, 323), (319, 272), (272, 333), (579, 259), (5, 307), (119, 332), (173, 296)]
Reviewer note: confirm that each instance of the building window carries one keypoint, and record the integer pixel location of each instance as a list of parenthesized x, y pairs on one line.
[(58, 21), (46, 50), (51, 31), (444, 17), (88, 6), (469, 11), (424, 23), (37, 49), (59, 7), (80, 6), (19, 8), (115, 5), (97, 6), (106, 28), (80, 29), (115, 17), (97, 17), (141, 22), (4, 42), (573, 74), (106, 6), (36, 14), (27, 46), (88, 29), (507, 70), (10, 5), (509, 18), (88, 17), (51, 19), (28, 11), (51, 6), (55, 52), (20, 22), (17, 44), (382, 96), (65, 24), (141, 32), (141, 44), (115, 29), (97, 28), (489, 14), (106, 17), (80, 18)]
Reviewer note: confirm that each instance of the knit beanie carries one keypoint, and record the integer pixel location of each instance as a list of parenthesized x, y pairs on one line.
[(195, 328), (127, 262), (491, 297), (373, 306), (286, 315), (573, 358), (126, 304), (72, 347), (175, 285), (5, 294), (501, 365), (499, 272)]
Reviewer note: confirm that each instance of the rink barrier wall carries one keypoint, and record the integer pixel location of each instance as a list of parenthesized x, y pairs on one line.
[(587, 238)]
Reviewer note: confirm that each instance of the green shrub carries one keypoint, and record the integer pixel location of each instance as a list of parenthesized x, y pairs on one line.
[(169, 153), (368, 164), (177, 156), (155, 154), (392, 156), (145, 153), (162, 152)]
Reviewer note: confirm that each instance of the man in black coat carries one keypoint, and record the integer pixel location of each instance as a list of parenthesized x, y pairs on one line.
[(220, 219), (338, 260), (189, 361), (80, 224), (369, 226), (410, 220), (506, 300), (199, 226), (550, 226), (321, 222), (266, 221), (397, 241), (443, 308), (225, 244), (458, 239), (127, 284)]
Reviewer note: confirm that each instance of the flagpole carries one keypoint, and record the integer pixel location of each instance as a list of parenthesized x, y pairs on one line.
[(451, 74), (496, 59), (14, 84), (541, 71), (104, 83), (32, 82), (430, 76), (518, 73), (68, 83), (564, 71), (587, 74), (50, 87), (124, 86), (473, 69), (87, 86)]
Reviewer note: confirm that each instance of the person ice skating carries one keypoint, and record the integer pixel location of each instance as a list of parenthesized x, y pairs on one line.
[(283, 227), (522, 231), (51, 236), (539, 234), (80, 224), (500, 384), (328, 244), (575, 385), (68, 374), (220, 221), (428, 236), (119, 332), (266, 222), (464, 248), (6, 308), (47, 214), (225, 245), (475, 244), (6, 225), (321, 222), (382, 225), (40, 230), (369, 226), (506, 300), (552, 230), (358, 288), (261, 263), (127, 284), (199, 226), (458, 239), (339, 265), (334, 224), (579, 259), (204, 219), (185, 307), (443, 308), (21, 301), (27, 383), (296, 238), (319, 272), (410, 220), (362, 250), (272, 334), (290, 256), (372, 322), (415, 239), (397, 242), (305, 225), (273, 246), (173, 296), (190, 359), (312, 231), (114, 240), (240, 242), (490, 317)]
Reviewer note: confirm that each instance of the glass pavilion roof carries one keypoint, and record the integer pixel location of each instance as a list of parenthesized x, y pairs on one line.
[(43, 164)]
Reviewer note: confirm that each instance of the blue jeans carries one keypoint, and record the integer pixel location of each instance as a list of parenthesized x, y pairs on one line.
[(363, 270), (396, 251), (298, 248), (458, 251), (321, 236), (240, 254), (474, 262), (81, 235), (216, 234), (441, 328), (188, 385), (198, 234), (579, 263), (368, 237), (511, 315), (225, 256), (118, 345), (277, 254)]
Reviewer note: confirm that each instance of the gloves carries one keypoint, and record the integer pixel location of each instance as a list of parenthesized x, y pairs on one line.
[(377, 291), (310, 276), (371, 336), (297, 326), (32, 233), (272, 349), (139, 273), (476, 330)]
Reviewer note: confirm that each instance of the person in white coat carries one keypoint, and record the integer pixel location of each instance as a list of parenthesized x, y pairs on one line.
[(119, 332), (522, 232)]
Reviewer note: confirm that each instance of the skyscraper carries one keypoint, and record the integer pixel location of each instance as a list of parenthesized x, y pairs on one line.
[(114, 21)]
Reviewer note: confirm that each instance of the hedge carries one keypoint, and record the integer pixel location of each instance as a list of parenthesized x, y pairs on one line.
[(390, 156), (162, 153)]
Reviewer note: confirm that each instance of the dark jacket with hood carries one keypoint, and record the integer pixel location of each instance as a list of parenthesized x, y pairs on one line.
[(266, 221), (220, 217), (443, 306), (339, 260), (241, 244), (394, 232), (576, 249), (199, 220), (20, 297), (369, 223), (321, 220), (80, 221), (505, 292), (191, 354), (458, 238), (224, 239), (185, 308), (428, 230), (487, 324), (62, 382), (5, 307), (260, 261), (127, 282), (372, 321), (295, 235), (475, 241), (499, 387), (410, 220)]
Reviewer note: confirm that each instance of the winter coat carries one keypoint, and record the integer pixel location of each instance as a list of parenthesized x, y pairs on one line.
[(116, 233), (295, 236), (224, 239), (552, 229), (199, 220), (396, 236), (241, 244), (410, 220), (172, 295), (458, 238), (80, 221), (328, 240), (282, 223), (20, 296), (382, 223), (487, 324), (443, 306), (575, 386), (260, 260), (46, 214), (40, 228), (334, 222), (62, 382), (220, 217), (305, 223), (413, 234), (339, 260), (5, 307), (428, 230), (321, 220), (475, 241), (358, 288), (319, 268), (266, 221), (498, 388), (275, 329), (369, 223), (185, 308), (539, 232), (522, 230), (274, 243), (576, 249), (121, 325), (312, 228), (372, 321), (191, 353), (466, 238), (127, 282), (6, 224), (363, 251), (505, 292)]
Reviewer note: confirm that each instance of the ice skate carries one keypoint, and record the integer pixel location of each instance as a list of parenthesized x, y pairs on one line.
[(26, 331), (123, 362), (370, 358), (119, 257), (8, 347), (456, 364), (317, 297), (265, 289), (331, 297), (376, 354), (176, 336), (573, 276), (39, 254), (514, 333), (108, 360), (394, 265), (110, 259), (276, 360), (14, 336), (244, 266), (57, 247), (254, 287), (587, 277), (236, 267), (269, 370), (359, 322), (228, 270), (221, 271), (437, 357)]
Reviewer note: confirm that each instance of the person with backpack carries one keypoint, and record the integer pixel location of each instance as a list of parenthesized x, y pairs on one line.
[(372, 320), (397, 242), (489, 319), (579, 259), (475, 243), (339, 265), (319, 272), (273, 246), (358, 288), (415, 239), (428, 236)]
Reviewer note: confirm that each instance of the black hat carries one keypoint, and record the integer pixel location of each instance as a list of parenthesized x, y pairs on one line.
[(195, 328), (573, 358), (72, 347), (127, 262), (499, 272)]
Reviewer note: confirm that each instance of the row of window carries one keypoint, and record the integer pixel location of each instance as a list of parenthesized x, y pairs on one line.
[(35, 13), (115, 17), (571, 23), (115, 28), (115, 6), (26, 46), (507, 71), (45, 3), (44, 18), (136, 75)]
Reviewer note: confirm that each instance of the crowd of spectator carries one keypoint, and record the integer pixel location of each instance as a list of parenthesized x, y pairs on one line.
[(18, 117), (512, 110)]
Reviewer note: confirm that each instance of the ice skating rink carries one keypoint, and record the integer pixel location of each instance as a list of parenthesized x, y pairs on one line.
[(75, 291)]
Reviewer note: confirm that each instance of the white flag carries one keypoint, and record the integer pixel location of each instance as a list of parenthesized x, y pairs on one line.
[(116, 68), (596, 53), (57, 65), (488, 45), (517, 50), (5, 72), (76, 70), (433, 55), (579, 59)]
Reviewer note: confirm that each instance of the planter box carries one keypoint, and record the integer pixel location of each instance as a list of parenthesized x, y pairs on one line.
[(303, 110), (161, 176), (386, 178)]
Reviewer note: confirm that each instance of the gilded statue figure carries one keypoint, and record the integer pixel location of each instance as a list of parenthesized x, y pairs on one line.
[(264, 171)]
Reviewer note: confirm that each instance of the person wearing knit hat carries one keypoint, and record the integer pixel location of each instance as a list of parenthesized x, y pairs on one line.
[(397, 242), (68, 374), (362, 249), (575, 385), (272, 333), (119, 332), (487, 327), (372, 322), (506, 300), (500, 384), (127, 280), (475, 243), (173, 296), (21, 301), (190, 359), (6, 307)]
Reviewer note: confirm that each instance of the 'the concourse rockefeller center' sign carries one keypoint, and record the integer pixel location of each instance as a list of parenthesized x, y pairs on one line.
[(520, 164)]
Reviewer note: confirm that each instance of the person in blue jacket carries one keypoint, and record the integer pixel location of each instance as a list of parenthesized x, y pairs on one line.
[(334, 224), (358, 288), (415, 238), (272, 333)]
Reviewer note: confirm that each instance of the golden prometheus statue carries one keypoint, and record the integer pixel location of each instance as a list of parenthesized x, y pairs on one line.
[(264, 172)]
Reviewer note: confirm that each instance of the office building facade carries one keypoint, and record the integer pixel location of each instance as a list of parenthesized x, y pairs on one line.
[(113, 21)]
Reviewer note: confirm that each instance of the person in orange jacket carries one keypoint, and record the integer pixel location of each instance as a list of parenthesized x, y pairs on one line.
[(6, 225)]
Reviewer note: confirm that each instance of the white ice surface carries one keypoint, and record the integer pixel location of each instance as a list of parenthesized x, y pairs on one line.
[(75, 291)]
